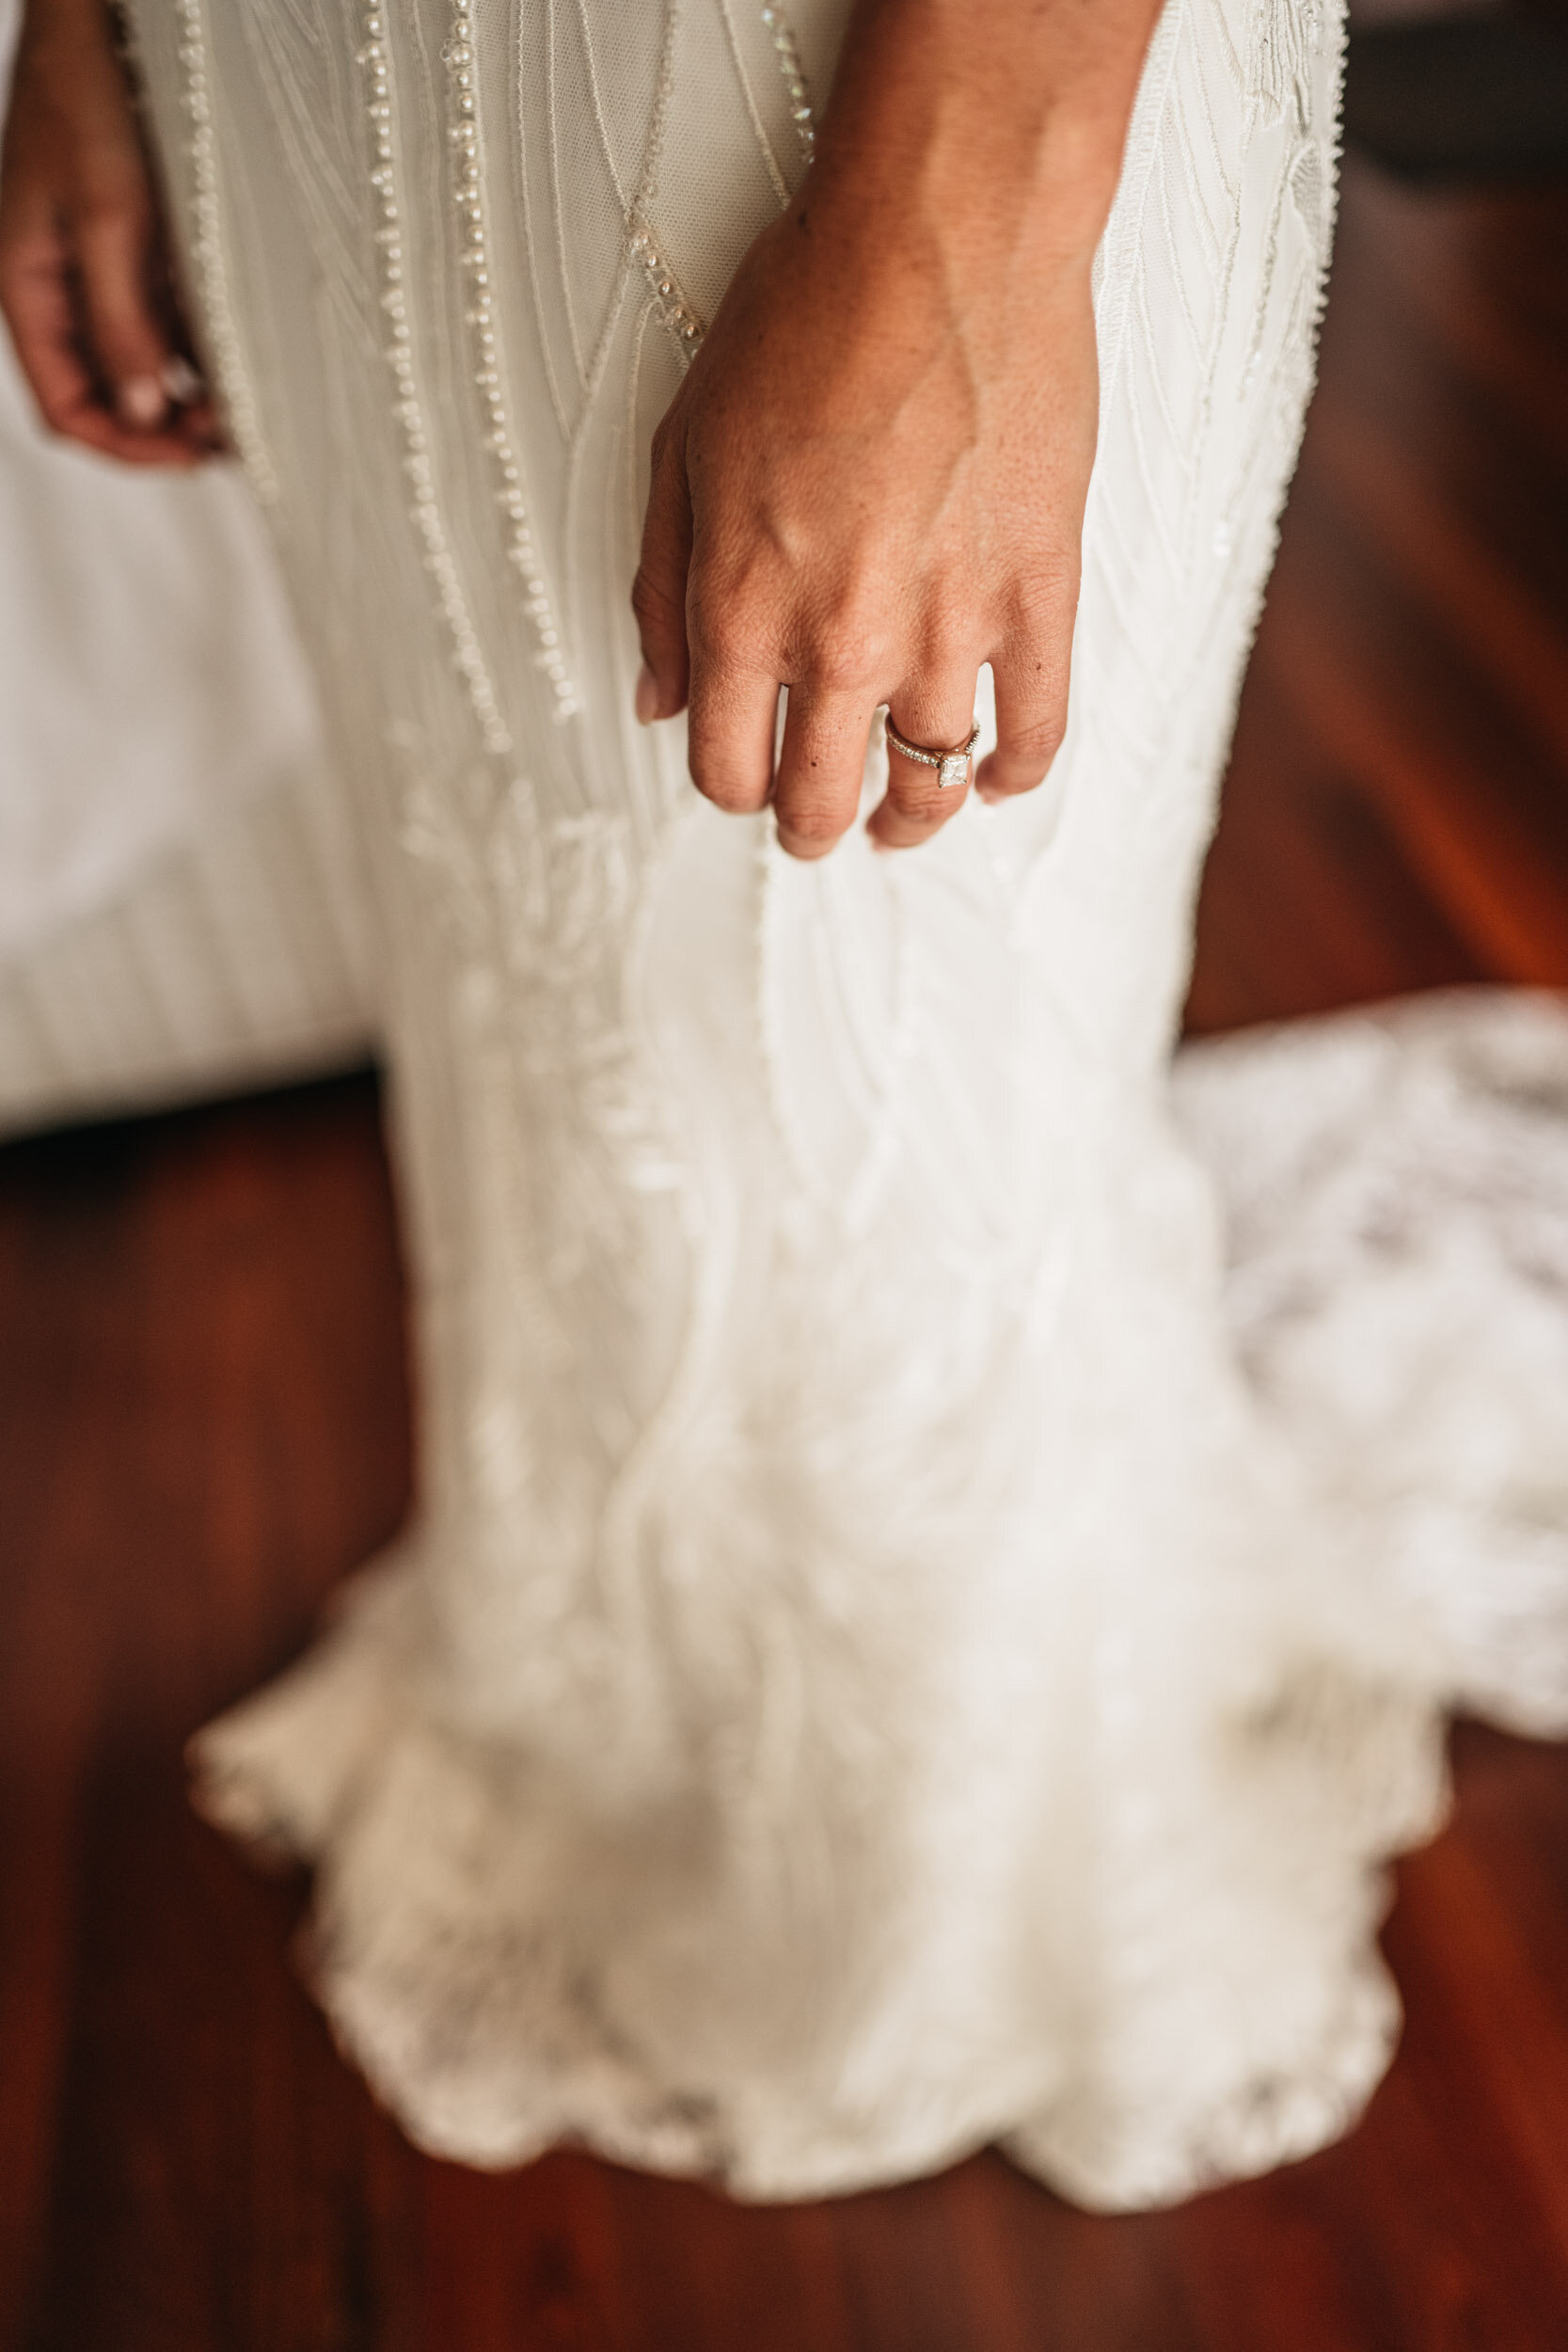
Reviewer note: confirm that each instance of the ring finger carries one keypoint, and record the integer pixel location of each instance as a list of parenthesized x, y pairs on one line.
[(936, 715)]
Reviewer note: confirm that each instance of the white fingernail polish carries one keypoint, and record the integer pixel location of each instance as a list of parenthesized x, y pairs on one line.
[(140, 401), (182, 382)]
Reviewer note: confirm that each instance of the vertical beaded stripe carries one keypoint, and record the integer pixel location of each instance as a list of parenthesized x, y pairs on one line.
[(683, 320), (788, 54), (425, 510), (680, 316), (223, 338), (489, 372)]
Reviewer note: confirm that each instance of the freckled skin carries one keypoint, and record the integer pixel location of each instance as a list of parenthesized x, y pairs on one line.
[(872, 478)]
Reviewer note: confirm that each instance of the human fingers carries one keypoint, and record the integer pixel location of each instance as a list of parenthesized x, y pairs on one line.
[(195, 418), (1030, 673), (116, 239), (38, 299), (935, 714), (730, 730), (821, 765), (659, 592)]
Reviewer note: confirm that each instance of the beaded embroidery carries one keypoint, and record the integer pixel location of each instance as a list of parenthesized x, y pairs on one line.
[(425, 510), (788, 51), (223, 336), (489, 371)]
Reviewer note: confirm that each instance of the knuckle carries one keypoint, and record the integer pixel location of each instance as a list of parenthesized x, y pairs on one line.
[(849, 639), (1038, 739), (849, 659), (949, 623), (24, 288), (916, 796), (922, 813), (729, 635), (1043, 602), (111, 217), (718, 781), (112, 179), (814, 826), (725, 797), (1026, 749), (717, 765), (653, 599), (709, 627)]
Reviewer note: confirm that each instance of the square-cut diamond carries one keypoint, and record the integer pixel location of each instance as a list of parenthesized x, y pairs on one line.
[(953, 769)]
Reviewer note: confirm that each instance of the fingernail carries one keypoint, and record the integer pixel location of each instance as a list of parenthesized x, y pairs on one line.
[(140, 401), (180, 382), (647, 697)]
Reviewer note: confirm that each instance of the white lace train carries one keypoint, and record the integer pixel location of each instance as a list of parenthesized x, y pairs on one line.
[(871, 1674)]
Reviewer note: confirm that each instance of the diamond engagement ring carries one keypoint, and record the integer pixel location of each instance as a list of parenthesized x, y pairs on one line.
[(952, 767)]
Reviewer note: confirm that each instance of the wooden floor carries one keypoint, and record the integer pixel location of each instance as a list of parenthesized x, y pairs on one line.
[(204, 1423)]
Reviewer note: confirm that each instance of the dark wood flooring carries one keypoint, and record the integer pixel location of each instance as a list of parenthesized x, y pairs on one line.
[(204, 1423)]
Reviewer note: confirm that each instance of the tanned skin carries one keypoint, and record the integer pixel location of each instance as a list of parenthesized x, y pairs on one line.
[(872, 478)]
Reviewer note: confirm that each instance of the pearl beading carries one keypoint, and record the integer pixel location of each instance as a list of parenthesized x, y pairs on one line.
[(682, 319), (425, 511), (789, 53), (680, 316), (207, 253), (489, 371)]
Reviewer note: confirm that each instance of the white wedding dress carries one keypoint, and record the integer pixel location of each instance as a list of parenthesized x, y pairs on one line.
[(878, 1668)]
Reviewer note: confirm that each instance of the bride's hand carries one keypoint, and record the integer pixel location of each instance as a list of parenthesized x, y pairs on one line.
[(872, 478), (85, 280)]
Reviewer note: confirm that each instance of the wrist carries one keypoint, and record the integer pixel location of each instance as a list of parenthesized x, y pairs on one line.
[(62, 20), (66, 40), (997, 126)]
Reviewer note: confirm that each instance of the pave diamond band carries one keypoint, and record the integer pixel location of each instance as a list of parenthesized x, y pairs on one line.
[(952, 767)]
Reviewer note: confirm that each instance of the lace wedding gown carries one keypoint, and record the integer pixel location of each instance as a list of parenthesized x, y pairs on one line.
[(876, 1669)]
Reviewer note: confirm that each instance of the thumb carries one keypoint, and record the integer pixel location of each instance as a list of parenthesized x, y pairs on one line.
[(659, 592)]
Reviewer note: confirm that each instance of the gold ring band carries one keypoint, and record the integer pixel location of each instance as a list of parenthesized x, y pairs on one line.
[(952, 767)]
